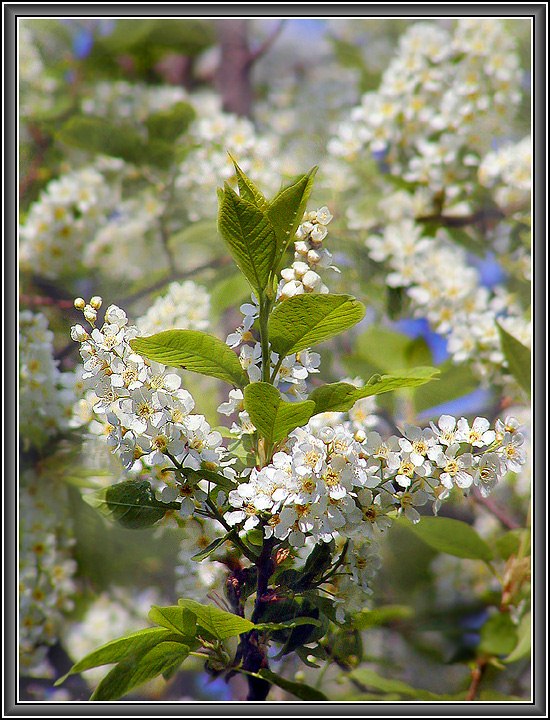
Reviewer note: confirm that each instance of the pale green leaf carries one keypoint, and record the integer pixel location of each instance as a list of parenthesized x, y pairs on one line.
[(340, 397), (518, 358), (247, 189), (174, 618), (299, 690), (383, 615), (116, 650), (371, 679), (134, 671), (450, 536), (250, 237), (453, 382), (195, 351), (218, 622), (306, 320), (498, 635), (274, 417), (523, 647)]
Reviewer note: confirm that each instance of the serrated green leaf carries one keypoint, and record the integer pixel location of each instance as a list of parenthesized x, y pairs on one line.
[(247, 189), (195, 351), (174, 618), (340, 397), (299, 690), (523, 646), (219, 623), (116, 650), (212, 547), (250, 237), (134, 671), (171, 123), (450, 536), (518, 358), (306, 320), (498, 635), (274, 417), (287, 208), (131, 503), (383, 615), (371, 679)]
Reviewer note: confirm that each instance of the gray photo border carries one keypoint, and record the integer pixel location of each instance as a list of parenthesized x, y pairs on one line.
[(11, 706)]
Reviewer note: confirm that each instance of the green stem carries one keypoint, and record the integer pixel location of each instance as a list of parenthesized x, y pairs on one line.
[(265, 307), (276, 369), (235, 539)]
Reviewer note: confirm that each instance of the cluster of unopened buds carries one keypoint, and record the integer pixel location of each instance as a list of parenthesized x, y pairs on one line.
[(309, 256)]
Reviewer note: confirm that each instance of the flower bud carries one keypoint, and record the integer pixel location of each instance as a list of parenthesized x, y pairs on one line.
[(79, 303), (90, 314), (95, 302), (311, 281), (323, 215), (78, 333)]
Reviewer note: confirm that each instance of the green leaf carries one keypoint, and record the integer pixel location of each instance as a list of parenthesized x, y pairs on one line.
[(340, 397), (212, 547), (171, 123), (131, 503), (219, 623), (299, 690), (306, 320), (518, 358), (453, 537), (287, 208), (99, 136), (274, 417), (247, 189), (523, 647), (116, 650), (250, 237), (174, 618), (295, 622), (509, 543), (371, 679), (498, 635), (453, 382), (195, 351), (383, 615), (134, 671)]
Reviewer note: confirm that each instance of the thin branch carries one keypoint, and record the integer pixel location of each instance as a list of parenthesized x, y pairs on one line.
[(262, 49), (501, 514), (477, 674)]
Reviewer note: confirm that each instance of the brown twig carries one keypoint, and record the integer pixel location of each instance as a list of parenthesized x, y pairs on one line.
[(477, 674), (495, 510), (262, 49)]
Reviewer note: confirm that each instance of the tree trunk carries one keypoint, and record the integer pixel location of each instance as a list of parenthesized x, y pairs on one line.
[(233, 76)]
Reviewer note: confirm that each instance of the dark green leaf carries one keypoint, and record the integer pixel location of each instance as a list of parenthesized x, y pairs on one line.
[(453, 382), (274, 417), (131, 503), (214, 545), (340, 397), (219, 623), (250, 237), (453, 537), (509, 543), (518, 358), (287, 208), (285, 624), (299, 690), (371, 679), (306, 320), (195, 351), (498, 635)]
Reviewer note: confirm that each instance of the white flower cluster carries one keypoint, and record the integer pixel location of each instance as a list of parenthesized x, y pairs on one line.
[(46, 566), (509, 171), (441, 100), (135, 101), (333, 482), (309, 256), (118, 613), (211, 136), (184, 305), (148, 415), (64, 220), (46, 395), (447, 290), (195, 580)]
